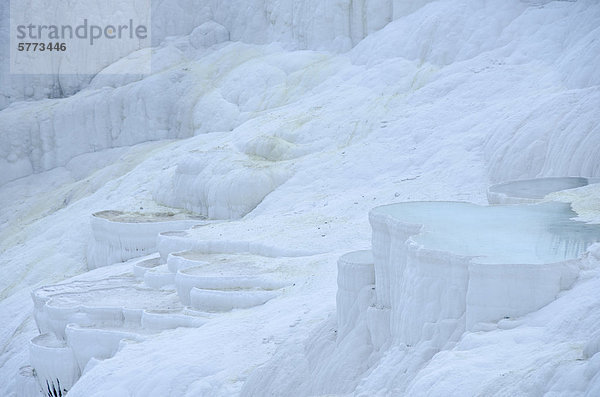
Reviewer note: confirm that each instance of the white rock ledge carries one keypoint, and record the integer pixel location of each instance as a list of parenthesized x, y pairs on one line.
[(91, 317), (141, 267), (119, 236), (177, 241), (225, 300), (116, 302), (54, 362), (529, 191), (186, 280), (90, 342), (159, 277), (230, 275), (442, 267), (356, 282)]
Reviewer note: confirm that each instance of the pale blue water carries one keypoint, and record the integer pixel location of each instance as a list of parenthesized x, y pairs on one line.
[(538, 188), (513, 234)]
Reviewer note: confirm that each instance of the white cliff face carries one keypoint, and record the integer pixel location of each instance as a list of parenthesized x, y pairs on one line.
[(288, 142), (186, 98), (302, 24), (181, 102)]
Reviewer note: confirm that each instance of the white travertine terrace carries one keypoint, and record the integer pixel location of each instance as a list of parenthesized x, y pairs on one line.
[(231, 278), (529, 191), (159, 277), (141, 267), (178, 241), (215, 283), (356, 281), (443, 267), (90, 317), (54, 362), (210, 300), (120, 236), (443, 99), (117, 301)]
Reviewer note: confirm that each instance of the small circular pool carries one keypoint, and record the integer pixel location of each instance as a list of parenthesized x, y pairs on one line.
[(532, 190)]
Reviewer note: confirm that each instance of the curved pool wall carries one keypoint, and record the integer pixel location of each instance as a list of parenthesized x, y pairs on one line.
[(529, 191), (120, 236), (56, 368), (356, 284), (443, 267)]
